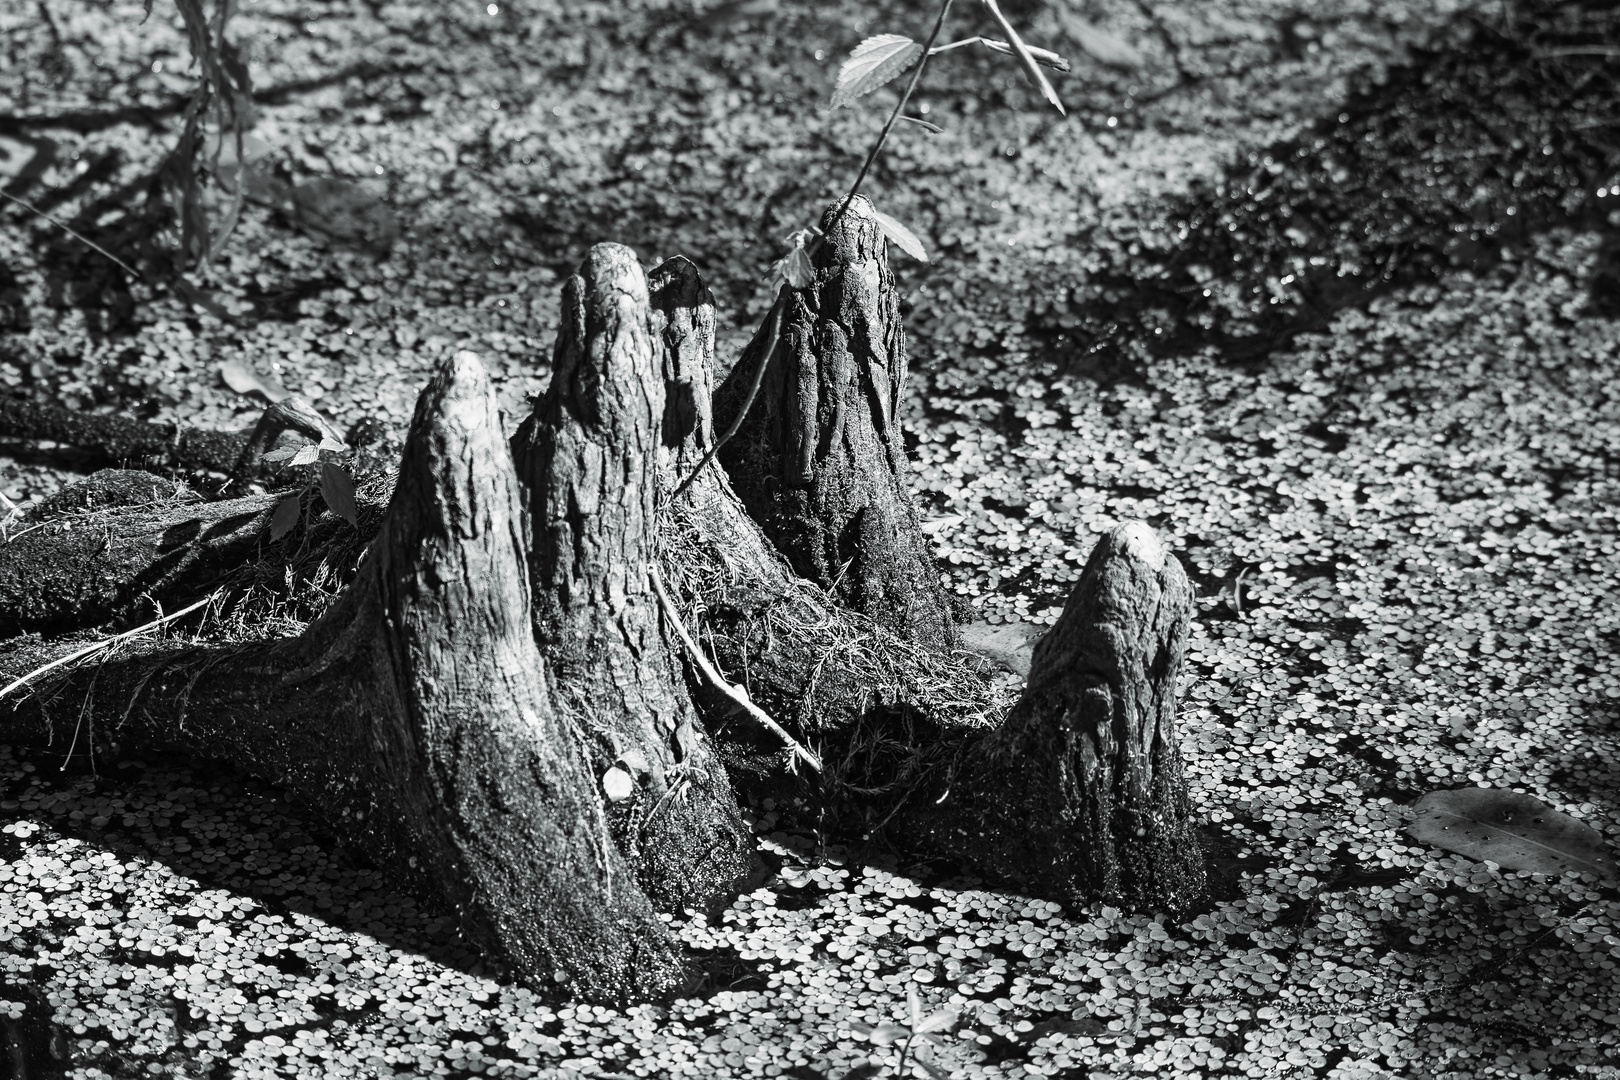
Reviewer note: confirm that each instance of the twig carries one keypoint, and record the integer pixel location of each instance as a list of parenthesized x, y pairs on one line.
[(934, 128), (83, 239), (753, 391), (107, 643), (734, 693), (1579, 50)]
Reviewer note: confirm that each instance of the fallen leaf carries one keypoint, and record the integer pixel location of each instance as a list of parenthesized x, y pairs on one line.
[(1511, 829), (244, 380), (1011, 645)]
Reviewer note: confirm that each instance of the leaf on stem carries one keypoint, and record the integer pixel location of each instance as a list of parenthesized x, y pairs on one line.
[(934, 128), (338, 491), (873, 62), (1025, 58), (903, 237), (307, 454), (285, 519)]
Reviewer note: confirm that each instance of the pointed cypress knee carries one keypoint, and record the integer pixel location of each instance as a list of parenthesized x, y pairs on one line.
[(488, 779), (413, 714), (1080, 794), (591, 455), (819, 459)]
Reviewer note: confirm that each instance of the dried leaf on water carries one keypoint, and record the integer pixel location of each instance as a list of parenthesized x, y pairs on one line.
[(1514, 830)]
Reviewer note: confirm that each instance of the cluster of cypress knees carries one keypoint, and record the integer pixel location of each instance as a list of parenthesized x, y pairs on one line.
[(568, 651)]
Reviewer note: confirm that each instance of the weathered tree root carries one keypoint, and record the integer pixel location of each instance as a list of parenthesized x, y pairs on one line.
[(107, 549), (415, 712), (120, 440), (819, 460)]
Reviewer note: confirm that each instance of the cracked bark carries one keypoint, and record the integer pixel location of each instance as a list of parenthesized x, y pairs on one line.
[(415, 711), (590, 455), (819, 460), (1082, 784)]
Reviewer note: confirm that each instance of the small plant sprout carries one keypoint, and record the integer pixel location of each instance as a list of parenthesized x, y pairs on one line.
[(875, 62), (332, 477), (879, 60), (914, 1037)]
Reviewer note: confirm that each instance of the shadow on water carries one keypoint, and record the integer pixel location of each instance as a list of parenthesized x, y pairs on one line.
[(1448, 163)]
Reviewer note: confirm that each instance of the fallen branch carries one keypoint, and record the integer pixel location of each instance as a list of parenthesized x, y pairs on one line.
[(106, 643), (731, 690)]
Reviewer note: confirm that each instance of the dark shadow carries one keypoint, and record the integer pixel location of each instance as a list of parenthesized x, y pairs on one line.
[(1450, 163)]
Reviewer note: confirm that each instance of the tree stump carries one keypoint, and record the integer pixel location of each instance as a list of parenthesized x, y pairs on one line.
[(590, 453), (819, 460), (415, 713), (1080, 793)]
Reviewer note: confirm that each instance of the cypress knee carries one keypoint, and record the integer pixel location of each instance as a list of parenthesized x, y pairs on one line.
[(819, 460), (1080, 794), (414, 712), (591, 453)]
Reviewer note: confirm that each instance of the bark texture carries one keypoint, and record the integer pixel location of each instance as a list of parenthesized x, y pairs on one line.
[(590, 454), (415, 712), (1080, 793), (880, 710), (819, 460)]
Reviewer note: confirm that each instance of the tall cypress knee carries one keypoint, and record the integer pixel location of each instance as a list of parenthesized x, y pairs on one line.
[(819, 459), (591, 453), (414, 713), (1080, 793)]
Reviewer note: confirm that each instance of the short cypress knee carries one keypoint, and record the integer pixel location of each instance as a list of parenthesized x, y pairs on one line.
[(1080, 794), (819, 460)]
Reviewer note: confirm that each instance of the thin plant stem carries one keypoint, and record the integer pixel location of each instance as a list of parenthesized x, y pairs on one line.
[(899, 106), (843, 207), (738, 698), (105, 643), (82, 239)]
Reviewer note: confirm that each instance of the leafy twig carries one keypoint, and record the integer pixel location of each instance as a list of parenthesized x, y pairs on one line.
[(899, 106)]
